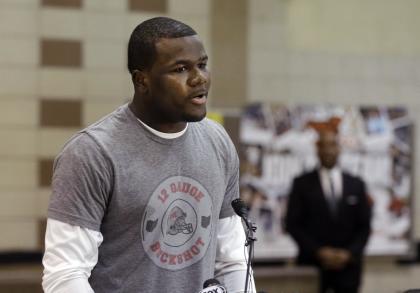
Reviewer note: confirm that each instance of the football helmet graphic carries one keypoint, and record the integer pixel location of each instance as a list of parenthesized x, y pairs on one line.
[(176, 222)]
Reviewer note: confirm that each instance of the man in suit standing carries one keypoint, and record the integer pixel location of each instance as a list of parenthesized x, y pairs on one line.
[(328, 216)]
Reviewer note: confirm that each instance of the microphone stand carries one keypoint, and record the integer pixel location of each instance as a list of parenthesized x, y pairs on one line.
[(250, 239)]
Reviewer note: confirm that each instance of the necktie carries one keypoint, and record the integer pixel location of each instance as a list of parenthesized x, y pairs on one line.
[(332, 199)]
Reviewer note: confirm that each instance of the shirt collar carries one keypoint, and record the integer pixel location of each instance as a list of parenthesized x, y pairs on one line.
[(164, 134), (331, 172)]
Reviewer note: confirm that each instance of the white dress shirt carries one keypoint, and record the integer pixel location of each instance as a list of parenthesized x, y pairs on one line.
[(331, 178)]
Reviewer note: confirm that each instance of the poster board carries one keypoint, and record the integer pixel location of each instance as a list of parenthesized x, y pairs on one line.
[(277, 143)]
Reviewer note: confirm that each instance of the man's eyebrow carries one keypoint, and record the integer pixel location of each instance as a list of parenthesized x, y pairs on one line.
[(185, 61)]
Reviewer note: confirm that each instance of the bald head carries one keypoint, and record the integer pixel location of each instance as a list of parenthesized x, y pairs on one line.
[(328, 149)]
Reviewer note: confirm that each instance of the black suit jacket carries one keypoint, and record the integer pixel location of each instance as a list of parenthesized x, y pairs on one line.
[(312, 224)]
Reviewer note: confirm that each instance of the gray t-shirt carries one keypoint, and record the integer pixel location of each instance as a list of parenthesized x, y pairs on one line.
[(156, 201)]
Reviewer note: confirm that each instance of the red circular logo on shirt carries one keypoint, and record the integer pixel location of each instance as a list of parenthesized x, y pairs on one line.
[(176, 226)]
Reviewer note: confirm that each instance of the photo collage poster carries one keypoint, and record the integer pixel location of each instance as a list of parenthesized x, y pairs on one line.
[(277, 143)]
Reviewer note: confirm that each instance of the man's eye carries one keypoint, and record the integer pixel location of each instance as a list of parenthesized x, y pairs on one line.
[(180, 69), (202, 65)]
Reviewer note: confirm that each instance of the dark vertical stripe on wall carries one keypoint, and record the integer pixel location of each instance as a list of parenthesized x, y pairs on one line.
[(61, 53), (160, 6), (60, 113), (42, 227), (45, 168), (62, 3), (232, 126), (229, 30)]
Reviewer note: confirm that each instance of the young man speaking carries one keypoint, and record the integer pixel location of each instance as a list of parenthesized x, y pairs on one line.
[(141, 199)]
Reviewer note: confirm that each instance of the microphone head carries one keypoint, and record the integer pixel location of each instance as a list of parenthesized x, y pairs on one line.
[(240, 208), (214, 289), (213, 286), (210, 282)]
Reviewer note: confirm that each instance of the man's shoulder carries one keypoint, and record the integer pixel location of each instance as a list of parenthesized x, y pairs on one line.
[(306, 175), (109, 121), (92, 136), (210, 124), (211, 129), (351, 177), (80, 145), (214, 135), (111, 128)]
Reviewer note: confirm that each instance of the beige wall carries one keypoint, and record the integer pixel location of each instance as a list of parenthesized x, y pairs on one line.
[(343, 52), (379, 27), (62, 66), (292, 51)]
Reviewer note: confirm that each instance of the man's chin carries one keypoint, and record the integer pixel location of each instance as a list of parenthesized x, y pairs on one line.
[(329, 165), (195, 118)]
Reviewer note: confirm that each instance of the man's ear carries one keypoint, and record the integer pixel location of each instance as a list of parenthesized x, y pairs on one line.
[(139, 79)]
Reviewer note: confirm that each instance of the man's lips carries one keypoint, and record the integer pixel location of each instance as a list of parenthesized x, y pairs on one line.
[(199, 98)]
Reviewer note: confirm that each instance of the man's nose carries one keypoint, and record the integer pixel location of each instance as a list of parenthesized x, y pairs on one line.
[(198, 77)]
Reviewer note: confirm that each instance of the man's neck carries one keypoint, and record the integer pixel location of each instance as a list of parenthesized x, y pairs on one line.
[(335, 168), (152, 121)]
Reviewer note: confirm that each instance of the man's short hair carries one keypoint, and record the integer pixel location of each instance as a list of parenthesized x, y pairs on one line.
[(141, 47)]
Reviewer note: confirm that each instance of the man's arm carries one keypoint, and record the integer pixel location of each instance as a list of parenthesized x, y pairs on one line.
[(230, 267), (295, 216), (71, 252), (81, 183), (361, 236), (231, 254)]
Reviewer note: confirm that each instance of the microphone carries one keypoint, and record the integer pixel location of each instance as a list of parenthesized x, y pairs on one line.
[(213, 286), (241, 209)]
